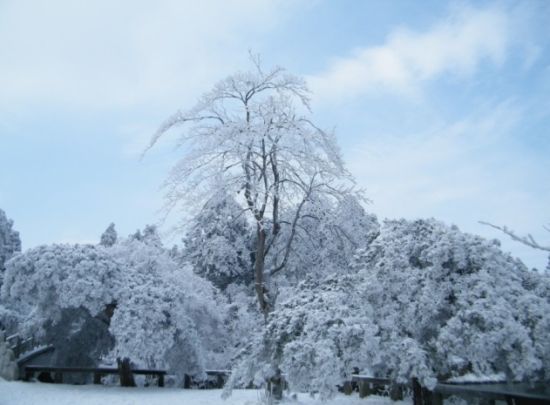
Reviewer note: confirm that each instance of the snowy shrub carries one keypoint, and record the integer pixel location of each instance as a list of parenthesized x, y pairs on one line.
[(424, 300), (448, 303), (59, 294), (218, 242), (40, 283), (166, 316), (329, 235), (127, 300), (243, 317), (316, 338), (109, 237)]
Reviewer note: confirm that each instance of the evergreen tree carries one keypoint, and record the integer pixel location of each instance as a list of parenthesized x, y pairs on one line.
[(9, 241), (109, 237), (218, 242)]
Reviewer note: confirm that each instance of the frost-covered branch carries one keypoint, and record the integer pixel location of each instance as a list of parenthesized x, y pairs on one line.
[(526, 240)]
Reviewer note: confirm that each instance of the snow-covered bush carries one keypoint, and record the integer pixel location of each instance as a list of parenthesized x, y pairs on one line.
[(328, 237), (448, 303), (424, 300), (109, 237), (130, 297), (58, 294), (316, 337), (243, 318), (40, 283), (218, 242), (166, 316)]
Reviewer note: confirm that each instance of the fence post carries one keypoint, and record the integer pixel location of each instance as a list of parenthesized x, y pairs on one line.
[(417, 392), (97, 378), (161, 380), (364, 389), (125, 373)]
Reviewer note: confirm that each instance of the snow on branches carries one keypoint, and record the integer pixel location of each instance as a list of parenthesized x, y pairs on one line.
[(252, 137), (160, 315), (423, 300), (9, 241), (448, 303)]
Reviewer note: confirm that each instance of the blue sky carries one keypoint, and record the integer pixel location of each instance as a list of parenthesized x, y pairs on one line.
[(441, 109)]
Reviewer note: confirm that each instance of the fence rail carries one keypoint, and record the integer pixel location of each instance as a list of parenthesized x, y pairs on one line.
[(512, 393), (97, 372)]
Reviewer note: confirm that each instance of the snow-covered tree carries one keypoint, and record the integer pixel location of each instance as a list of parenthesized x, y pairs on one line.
[(43, 281), (9, 241), (243, 320), (149, 236), (328, 237), (58, 294), (218, 242), (316, 337), (424, 300), (128, 300), (252, 137), (448, 303), (109, 237), (166, 316)]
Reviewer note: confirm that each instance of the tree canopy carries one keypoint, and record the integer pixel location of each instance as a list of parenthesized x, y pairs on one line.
[(424, 300), (252, 136), (10, 243)]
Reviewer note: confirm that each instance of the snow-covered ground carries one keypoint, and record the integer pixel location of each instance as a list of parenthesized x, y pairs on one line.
[(20, 393)]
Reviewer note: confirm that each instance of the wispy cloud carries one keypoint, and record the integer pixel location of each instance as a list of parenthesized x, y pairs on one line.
[(105, 54), (464, 171), (457, 45)]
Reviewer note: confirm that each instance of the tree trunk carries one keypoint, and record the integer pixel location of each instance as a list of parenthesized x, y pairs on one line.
[(259, 266), (364, 389), (275, 386), (417, 392), (125, 373), (396, 392)]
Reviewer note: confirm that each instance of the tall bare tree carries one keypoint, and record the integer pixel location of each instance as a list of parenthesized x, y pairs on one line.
[(252, 136)]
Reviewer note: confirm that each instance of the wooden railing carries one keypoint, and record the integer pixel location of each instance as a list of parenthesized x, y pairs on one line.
[(512, 393), (18, 345), (97, 372)]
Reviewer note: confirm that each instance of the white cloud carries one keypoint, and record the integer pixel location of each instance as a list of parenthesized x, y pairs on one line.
[(462, 172), (457, 45), (104, 53)]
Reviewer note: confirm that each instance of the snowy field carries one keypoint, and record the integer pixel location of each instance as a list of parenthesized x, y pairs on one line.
[(20, 393)]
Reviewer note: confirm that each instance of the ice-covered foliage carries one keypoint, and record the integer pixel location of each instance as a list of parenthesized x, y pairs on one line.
[(109, 237), (243, 318), (424, 300), (329, 235), (166, 316), (316, 337), (149, 236), (218, 242), (252, 134), (9, 241), (448, 303), (86, 298), (43, 281)]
